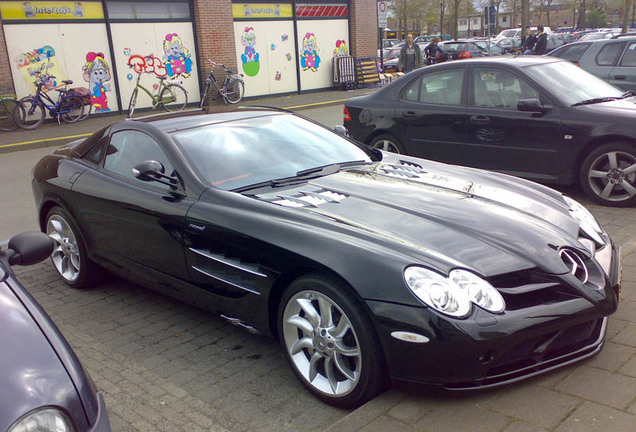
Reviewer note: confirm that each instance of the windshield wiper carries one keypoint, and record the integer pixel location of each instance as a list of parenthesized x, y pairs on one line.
[(628, 93), (303, 175), (597, 100)]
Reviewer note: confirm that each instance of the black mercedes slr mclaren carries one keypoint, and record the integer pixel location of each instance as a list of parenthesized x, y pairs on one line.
[(368, 267)]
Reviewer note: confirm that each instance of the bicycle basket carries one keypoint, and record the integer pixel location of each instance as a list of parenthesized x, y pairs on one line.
[(84, 93)]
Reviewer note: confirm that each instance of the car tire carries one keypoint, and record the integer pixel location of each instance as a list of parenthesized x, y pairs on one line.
[(69, 256), (387, 142), (608, 174), (330, 342)]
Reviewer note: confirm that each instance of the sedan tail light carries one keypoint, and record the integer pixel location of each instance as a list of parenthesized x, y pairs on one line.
[(464, 54), (347, 116)]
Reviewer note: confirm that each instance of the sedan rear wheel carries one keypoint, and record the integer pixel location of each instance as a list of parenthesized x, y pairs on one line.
[(608, 174), (330, 341), (69, 256), (388, 143)]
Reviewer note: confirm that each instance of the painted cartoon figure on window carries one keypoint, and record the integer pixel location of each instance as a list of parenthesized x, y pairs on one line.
[(249, 58), (96, 73), (309, 59), (177, 60), (78, 11), (341, 49)]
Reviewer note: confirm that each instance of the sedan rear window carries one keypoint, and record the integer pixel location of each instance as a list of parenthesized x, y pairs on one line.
[(572, 53)]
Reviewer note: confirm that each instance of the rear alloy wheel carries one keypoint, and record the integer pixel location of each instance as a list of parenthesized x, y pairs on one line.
[(608, 174), (69, 256), (330, 342), (388, 143)]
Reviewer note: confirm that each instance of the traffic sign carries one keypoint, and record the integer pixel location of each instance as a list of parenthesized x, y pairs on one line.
[(383, 12)]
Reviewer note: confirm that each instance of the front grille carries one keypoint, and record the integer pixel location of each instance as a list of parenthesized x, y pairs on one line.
[(547, 347)]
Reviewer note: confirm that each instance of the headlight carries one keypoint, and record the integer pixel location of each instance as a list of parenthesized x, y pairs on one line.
[(586, 220), (46, 420), (455, 294)]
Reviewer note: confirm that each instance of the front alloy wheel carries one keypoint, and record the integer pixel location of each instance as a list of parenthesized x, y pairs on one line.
[(387, 143), (608, 175), (330, 343)]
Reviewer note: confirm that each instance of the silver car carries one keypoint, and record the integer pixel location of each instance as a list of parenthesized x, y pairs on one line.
[(613, 60)]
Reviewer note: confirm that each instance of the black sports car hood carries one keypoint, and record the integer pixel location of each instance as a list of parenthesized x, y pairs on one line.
[(430, 212)]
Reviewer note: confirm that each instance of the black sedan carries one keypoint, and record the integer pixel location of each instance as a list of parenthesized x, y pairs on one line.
[(44, 386), (536, 117), (365, 265)]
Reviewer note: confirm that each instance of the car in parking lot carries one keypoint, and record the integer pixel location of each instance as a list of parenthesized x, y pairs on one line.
[(613, 60), (536, 117), (462, 49), (44, 386), (367, 266)]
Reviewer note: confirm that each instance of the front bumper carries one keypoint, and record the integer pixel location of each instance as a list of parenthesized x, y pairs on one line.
[(102, 422), (487, 350)]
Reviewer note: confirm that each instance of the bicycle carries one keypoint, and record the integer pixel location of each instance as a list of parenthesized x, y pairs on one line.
[(170, 96), (233, 87), (69, 107), (10, 107)]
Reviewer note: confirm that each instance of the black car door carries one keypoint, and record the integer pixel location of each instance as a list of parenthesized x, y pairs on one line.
[(431, 115), (502, 138), (129, 222)]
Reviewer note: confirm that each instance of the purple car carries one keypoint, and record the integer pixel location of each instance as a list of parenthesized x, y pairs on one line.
[(44, 386)]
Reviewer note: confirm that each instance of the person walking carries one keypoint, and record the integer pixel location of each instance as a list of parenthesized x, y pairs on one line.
[(528, 41), (542, 41), (410, 56), (433, 51)]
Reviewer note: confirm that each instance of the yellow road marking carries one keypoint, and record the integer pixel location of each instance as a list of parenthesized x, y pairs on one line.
[(44, 140)]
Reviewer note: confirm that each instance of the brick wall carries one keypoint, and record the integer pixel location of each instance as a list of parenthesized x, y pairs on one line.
[(364, 28), (215, 33), (6, 81)]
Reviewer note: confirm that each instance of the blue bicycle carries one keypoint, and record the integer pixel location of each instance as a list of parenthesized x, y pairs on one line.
[(69, 106)]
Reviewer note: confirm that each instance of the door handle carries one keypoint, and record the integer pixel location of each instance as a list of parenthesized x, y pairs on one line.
[(409, 114), (479, 119), (620, 77)]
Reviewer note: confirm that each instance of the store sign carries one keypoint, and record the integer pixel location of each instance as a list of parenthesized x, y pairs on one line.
[(261, 10), (50, 10)]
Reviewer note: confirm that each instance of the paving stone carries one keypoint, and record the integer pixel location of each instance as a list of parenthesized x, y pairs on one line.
[(463, 417), (592, 417), (627, 336), (520, 426), (612, 357), (384, 424), (629, 368), (600, 386), (536, 405), (626, 311)]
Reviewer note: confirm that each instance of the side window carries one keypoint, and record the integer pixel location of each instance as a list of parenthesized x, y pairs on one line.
[(128, 148), (629, 57), (412, 92), (608, 54), (444, 88), (499, 88), (94, 154), (573, 53)]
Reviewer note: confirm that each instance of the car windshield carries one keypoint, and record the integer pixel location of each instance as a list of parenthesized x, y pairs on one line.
[(237, 154), (571, 83)]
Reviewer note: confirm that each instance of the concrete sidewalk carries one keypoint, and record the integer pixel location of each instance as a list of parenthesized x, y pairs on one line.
[(52, 134)]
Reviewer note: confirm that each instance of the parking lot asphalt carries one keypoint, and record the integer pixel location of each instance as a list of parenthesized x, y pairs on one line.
[(166, 366)]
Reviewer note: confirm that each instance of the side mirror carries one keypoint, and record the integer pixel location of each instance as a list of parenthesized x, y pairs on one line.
[(532, 105), (29, 248), (148, 170), (341, 130), (153, 171)]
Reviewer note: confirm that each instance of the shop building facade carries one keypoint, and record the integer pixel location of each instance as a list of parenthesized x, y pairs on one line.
[(283, 47)]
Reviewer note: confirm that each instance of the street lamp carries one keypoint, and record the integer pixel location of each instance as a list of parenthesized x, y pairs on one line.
[(441, 20)]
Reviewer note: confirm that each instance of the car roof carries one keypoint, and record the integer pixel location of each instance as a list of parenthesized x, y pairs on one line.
[(518, 61)]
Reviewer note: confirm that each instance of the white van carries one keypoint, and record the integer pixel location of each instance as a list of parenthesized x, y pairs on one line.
[(517, 33)]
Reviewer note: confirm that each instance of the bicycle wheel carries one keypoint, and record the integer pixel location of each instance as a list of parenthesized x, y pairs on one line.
[(33, 114), (88, 109), (133, 102), (173, 98), (7, 120), (234, 90), (71, 109), (204, 95)]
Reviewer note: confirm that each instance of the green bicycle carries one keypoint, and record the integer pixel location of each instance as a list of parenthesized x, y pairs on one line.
[(170, 96), (10, 109)]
